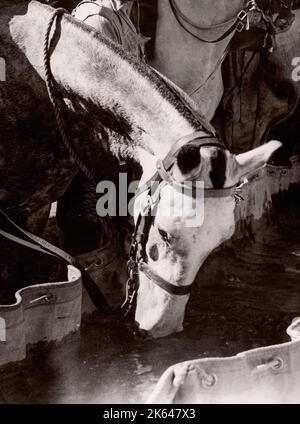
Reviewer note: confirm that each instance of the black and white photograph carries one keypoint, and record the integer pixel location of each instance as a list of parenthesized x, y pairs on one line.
[(149, 205)]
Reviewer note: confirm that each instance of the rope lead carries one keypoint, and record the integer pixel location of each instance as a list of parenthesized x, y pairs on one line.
[(49, 80)]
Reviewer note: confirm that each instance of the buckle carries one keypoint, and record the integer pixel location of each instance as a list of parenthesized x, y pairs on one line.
[(251, 5), (240, 26), (242, 15)]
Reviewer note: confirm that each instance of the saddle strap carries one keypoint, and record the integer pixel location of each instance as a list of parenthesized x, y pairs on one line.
[(37, 243), (237, 25)]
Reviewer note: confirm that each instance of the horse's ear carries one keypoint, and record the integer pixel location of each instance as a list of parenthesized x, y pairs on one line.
[(256, 158), (188, 158)]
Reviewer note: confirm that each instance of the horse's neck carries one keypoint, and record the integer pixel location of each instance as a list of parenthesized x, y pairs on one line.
[(187, 61), (103, 85)]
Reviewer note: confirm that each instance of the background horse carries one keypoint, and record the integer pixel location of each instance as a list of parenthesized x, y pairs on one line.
[(191, 63), (260, 92), (184, 59)]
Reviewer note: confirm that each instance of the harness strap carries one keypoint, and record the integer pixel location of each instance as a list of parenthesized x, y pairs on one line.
[(42, 246), (238, 24), (138, 258), (162, 283), (198, 138), (217, 66), (201, 138)]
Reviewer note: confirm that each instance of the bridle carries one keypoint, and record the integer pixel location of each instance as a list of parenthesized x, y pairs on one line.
[(137, 257)]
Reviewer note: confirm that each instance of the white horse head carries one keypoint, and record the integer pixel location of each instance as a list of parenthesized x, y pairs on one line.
[(177, 245)]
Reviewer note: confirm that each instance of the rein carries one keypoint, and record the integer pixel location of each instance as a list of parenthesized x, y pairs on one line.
[(36, 243), (53, 96)]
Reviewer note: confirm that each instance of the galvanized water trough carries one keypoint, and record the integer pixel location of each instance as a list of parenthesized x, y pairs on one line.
[(265, 375), (42, 313)]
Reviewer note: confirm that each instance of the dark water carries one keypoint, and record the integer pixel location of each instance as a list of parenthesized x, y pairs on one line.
[(246, 296)]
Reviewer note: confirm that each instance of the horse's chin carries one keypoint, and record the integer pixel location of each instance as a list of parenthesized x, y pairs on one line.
[(159, 314), (159, 331)]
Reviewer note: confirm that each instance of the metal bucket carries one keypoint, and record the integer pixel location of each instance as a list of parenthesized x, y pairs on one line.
[(265, 375), (42, 313), (108, 270)]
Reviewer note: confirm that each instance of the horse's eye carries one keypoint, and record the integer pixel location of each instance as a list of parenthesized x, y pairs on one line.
[(164, 235)]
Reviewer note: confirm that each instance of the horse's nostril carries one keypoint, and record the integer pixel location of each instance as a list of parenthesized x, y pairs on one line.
[(153, 253)]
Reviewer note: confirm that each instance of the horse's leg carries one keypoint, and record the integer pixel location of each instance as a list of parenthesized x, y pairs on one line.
[(19, 265)]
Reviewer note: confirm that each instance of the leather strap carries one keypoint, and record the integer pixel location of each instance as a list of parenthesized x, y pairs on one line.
[(193, 139), (183, 20), (162, 283), (42, 246), (199, 139)]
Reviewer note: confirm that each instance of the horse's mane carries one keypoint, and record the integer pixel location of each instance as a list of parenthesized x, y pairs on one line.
[(171, 93)]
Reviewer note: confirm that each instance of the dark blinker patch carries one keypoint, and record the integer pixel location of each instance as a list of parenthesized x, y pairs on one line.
[(218, 168), (188, 158)]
